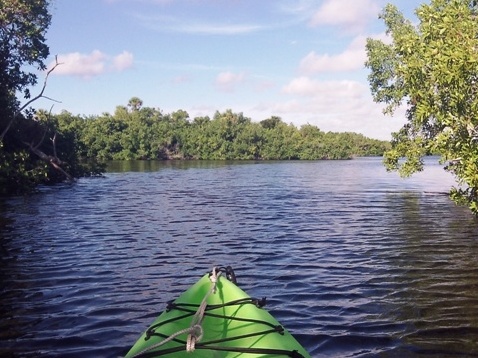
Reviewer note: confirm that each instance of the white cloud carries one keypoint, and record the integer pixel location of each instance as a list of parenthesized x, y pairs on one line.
[(122, 61), (338, 106), (332, 106), (305, 86), (353, 58), (217, 29), (82, 65), (165, 23), (92, 64), (227, 81), (352, 16), (387, 39)]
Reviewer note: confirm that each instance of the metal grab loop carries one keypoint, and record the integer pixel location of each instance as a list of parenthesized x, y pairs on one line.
[(228, 271), (231, 276)]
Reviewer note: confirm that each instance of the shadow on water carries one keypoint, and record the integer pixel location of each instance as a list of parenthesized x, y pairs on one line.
[(433, 277), (354, 261), (124, 166)]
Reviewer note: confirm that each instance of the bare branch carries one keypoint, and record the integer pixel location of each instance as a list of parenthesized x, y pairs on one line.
[(40, 95), (51, 99), (53, 140)]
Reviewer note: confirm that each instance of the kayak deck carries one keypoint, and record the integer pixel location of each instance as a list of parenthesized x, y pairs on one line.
[(218, 319)]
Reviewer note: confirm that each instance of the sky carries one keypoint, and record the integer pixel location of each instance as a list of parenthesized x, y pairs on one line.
[(300, 60)]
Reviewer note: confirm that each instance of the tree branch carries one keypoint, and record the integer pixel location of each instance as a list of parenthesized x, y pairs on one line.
[(53, 140), (53, 161), (40, 95)]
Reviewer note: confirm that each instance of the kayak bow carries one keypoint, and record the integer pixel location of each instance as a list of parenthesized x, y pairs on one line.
[(215, 318)]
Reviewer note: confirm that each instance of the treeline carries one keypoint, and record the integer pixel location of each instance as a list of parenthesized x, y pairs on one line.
[(136, 132), (47, 148)]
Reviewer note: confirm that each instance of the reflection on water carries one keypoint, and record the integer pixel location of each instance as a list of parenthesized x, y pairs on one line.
[(353, 260), (124, 166), (437, 280)]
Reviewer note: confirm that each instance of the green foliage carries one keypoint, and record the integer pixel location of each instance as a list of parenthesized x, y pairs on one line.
[(18, 173), (432, 69), (137, 132), (22, 42), (30, 147), (281, 141), (23, 25)]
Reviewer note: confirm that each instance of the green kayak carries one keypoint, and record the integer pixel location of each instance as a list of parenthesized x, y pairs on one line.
[(215, 318)]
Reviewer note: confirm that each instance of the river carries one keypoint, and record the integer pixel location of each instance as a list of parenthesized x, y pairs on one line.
[(354, 261)]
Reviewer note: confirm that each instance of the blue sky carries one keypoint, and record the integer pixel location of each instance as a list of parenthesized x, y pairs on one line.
[(300, 60)]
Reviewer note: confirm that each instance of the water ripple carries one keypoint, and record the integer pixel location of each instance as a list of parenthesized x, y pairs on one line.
[(353, 260)]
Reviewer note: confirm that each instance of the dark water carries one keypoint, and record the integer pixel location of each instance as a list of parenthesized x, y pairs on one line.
[(355, 262)]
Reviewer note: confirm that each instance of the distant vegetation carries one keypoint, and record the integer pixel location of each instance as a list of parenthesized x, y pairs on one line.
[(136, 132)]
